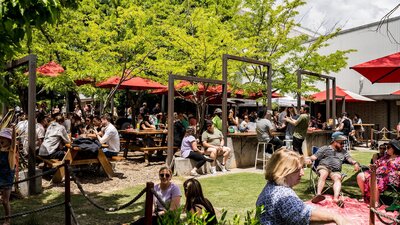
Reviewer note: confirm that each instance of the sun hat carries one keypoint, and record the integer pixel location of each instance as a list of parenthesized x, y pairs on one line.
[(6, 133), (395, 144)]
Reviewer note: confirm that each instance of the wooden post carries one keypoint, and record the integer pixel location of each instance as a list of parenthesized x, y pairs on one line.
[(373, 197), (148, 210), (67, 192)]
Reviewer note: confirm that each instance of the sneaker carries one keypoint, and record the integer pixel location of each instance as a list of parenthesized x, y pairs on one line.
[(223, 169), (213, 170), (194, 173)]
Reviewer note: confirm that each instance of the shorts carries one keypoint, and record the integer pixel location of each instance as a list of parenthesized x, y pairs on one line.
[(330, 172)]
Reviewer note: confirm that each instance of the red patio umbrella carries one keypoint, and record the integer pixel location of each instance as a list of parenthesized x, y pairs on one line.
[(51, 69), (135, 83), (381, 70), (348, 96), (396, 93), (214, 90)]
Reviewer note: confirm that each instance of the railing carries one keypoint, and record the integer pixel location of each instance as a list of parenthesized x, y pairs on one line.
[(373, 211), (69, 211)]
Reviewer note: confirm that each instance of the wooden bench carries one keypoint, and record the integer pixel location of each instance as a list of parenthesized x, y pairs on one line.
[(71, 154)]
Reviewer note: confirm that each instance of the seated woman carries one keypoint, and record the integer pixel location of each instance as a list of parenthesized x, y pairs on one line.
[(387, 172), (196, 203), (189, 150), (168, 192), (281, 204)]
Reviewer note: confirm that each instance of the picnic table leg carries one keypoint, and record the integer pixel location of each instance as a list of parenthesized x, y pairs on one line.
[(60, 173), (105, 164)]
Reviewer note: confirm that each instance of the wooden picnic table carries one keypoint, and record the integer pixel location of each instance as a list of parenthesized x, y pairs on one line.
[(73, 152), (132, 134)]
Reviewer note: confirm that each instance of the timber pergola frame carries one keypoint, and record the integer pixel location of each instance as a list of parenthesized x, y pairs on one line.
[(225, 58), (224, 82), (171, 107), (300, 73), (31, 60)]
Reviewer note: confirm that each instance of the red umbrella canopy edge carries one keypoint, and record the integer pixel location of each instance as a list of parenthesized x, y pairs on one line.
[(382, 70), (51, 69)]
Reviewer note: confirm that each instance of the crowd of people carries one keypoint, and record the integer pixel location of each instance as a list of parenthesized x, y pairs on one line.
[(283, 171)]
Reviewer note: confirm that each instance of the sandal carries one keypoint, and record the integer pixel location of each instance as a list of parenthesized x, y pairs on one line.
[(318, 198), (340, 203)]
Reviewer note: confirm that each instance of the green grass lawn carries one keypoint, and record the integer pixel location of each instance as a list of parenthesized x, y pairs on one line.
[(236, 193)]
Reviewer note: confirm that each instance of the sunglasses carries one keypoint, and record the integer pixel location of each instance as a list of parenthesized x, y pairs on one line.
[(166, 175), (341, 142)]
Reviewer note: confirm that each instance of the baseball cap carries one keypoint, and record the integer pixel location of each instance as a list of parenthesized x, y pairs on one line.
[(6, 133), (338, 136)]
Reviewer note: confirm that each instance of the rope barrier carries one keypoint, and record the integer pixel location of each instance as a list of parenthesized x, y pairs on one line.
[(33, 211), (53, 170), (380, 214), (73, 214), (113, 209), (159, 198)]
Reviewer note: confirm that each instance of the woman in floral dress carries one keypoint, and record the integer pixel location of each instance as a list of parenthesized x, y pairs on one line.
[(387, 172)]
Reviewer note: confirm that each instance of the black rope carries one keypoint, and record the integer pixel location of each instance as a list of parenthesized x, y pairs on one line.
[(114, 209), (73, 214), (159, 198), (33, 211), (53, 170)]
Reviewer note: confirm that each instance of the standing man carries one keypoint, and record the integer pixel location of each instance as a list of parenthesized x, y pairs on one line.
[(300, 128), (110, 137), (213, 143), (217, 121), (345, 127), (330, 159)]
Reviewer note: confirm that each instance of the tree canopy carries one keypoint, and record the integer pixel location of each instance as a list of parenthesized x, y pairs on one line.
[(154, 38)]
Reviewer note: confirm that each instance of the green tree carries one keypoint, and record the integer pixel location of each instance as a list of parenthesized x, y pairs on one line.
[(267, 34), (19, 19)]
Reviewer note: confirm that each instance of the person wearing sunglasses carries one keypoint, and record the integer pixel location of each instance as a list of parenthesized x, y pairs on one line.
[(281, 204), (380, 154), (168, 191), (330, 159)]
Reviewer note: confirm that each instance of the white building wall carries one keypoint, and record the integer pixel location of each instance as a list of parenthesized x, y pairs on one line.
[(370, 45)]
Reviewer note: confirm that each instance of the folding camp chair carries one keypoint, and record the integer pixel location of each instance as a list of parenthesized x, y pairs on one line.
[(314, 176)]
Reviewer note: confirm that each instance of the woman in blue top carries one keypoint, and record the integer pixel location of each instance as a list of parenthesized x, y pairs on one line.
[(189, 150), (281, 204)]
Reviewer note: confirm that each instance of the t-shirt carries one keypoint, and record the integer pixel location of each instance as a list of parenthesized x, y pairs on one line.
[(166, 195), (346, 126), (212, 138), (217, 122), (111, 138), (300, 130), (263, 129), (331, 158), (186, 146)]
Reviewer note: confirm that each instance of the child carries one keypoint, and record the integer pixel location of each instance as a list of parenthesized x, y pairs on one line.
[(7, 170)]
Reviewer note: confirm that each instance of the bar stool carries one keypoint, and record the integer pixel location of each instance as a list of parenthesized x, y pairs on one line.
[(264, 154)]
